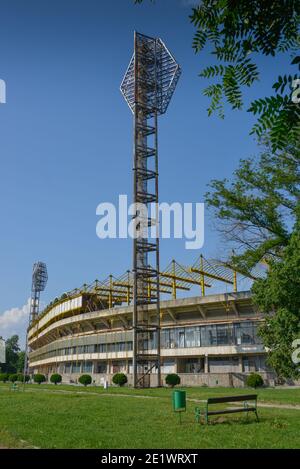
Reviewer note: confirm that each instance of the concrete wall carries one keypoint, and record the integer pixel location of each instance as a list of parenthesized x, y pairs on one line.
[(235, 380)]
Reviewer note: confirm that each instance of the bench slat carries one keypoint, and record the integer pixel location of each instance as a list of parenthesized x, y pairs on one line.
[(219, 400), (231, 411)]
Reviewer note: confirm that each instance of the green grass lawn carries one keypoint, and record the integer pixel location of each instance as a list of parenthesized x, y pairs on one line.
[(45, 417), (289, 396)]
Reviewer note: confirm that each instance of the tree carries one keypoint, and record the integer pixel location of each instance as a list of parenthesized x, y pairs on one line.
[(21, 361), (119, 379), (278, 297), (256, 210), (85, 380), (39, 378), (172, 380), (56, 378), (12, 355), (236, 32), (254, 380)]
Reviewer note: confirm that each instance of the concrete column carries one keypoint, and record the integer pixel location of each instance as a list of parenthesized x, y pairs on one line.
[(240, 364), (206, 364)]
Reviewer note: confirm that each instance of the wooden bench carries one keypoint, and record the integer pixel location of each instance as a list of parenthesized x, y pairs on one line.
[(222, 400)]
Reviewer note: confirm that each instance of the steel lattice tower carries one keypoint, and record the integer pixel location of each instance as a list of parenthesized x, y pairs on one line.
[(148, 86), (39, 281)]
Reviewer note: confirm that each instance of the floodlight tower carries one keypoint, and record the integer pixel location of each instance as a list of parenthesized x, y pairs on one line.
[(39, 281), (147, 87)]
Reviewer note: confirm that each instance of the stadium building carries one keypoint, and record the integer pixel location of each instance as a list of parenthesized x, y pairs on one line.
[(121, 325), (208, 340)]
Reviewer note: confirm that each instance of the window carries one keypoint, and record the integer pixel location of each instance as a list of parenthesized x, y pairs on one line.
[(168, 366), (88, 348), (87, 367), (100, 368), (223, 364), (190, 337), (76, 367), (223, 334), (194, 365), (212, 335), (181, 338), (247, 333)]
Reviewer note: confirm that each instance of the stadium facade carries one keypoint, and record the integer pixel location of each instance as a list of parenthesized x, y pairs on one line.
[(208, 340)]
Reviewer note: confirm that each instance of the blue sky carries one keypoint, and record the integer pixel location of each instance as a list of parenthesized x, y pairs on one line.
[(66, 138)]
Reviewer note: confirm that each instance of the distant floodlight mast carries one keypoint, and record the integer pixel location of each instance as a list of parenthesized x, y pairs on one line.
[(39, 281), (147, 87), (2, 350)]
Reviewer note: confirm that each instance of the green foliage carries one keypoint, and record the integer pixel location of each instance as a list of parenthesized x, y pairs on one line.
[(120, 379), (21, 361), (278, 297), (254, 380), (56, 378), (236, 32), (12, 355), (39, 378), (13, 378), (258, 207), (4, 377), (278, 114), (172, 379), (85, 380), (21, 378)]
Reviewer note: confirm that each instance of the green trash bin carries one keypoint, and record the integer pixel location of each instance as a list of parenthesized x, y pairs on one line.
[(179, 401)]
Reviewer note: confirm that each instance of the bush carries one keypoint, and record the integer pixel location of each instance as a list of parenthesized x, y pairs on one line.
[(56, 378), (4, 377), (172, 379), (13, 378), (21, 378), (120, 379), (39, 378), (254, 380), (85, 379)]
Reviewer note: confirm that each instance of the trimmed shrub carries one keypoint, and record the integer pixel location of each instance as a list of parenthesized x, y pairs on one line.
[(55, 378), (13, 377), (120, 379), (172, 379), (21, 378), (85, 380), (4, 377), (39, 378), (254, 380)]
